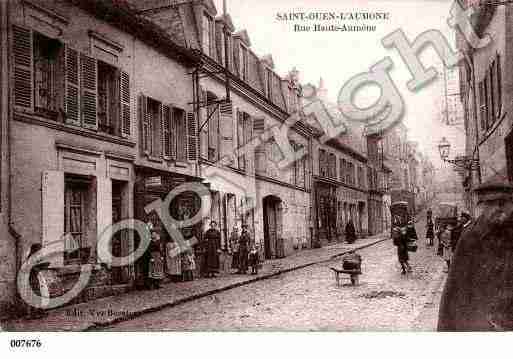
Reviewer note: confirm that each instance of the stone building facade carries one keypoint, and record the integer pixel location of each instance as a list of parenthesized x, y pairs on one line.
[(93, 87), (339, 173), (247, 188), (485, 88)]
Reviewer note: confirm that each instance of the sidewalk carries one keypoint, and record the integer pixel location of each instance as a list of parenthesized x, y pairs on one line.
[(108, 311)]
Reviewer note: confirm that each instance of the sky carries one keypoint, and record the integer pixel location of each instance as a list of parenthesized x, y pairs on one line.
[(337, 56)]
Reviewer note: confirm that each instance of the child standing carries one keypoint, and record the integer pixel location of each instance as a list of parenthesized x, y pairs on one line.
[(188, 265), (253, 260), (173, 261)]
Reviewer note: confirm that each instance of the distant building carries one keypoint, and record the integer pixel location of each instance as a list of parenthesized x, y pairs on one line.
[(450, 106)]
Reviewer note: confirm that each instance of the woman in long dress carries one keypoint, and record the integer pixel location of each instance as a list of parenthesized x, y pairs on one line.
[(213, 249), (234, 244), (244, 243), (173, 261), (156, 270)]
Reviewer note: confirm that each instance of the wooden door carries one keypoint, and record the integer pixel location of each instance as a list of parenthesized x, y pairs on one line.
[(117, 272), (272, 228)]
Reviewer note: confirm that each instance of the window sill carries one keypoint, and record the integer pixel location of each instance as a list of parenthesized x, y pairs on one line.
[(154, 159), (70, 269), (33, 119), (220, 165), (181, 164)]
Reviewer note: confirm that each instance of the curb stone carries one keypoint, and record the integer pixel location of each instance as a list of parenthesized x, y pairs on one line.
[(98, 326)]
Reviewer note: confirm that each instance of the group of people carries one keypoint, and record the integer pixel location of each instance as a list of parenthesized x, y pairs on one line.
[(162, 260), (448, 235)]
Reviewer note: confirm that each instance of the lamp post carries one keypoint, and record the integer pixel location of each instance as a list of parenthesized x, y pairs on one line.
[(463, 162)]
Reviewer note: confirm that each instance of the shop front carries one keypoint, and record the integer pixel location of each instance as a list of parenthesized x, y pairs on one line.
[(353, 206), (326, 212), (153, 185)]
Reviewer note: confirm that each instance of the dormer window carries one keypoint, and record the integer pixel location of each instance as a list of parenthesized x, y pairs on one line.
[(243, 58), (208, 31)]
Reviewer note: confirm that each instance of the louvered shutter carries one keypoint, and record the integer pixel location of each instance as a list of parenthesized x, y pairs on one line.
[(72, 97), (166, 131), (23, 60), (203, 113), (144, 120), (260, 153), (173, 128), (192, 137), (226, 128), (235, 51), (248, 135), (499, 85), (88, 71), (240, 140), (125, 121)]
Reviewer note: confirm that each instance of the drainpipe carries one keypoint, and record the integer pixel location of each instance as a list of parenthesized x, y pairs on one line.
[(12, 230), (476, 122)]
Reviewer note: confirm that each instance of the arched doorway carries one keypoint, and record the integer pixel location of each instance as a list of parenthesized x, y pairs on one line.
[(273, 223)]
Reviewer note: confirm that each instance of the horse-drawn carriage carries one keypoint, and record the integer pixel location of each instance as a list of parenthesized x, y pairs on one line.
[(447, 214)]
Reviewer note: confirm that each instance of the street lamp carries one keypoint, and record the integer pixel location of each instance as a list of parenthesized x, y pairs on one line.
[(445, 148), (463, 162)]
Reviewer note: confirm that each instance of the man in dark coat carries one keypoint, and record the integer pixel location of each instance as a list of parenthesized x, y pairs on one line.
[(430, 233), (477, 294), (402, 248), (212, 250), (244, 242), (350, 232)]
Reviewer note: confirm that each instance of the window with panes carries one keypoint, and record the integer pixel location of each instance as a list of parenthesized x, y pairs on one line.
[(207, 38), (167, 131), (243, 62), (244, 133), (79, 218), (55, 81)]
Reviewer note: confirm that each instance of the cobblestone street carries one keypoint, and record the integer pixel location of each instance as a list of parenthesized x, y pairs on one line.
[(308, 299)]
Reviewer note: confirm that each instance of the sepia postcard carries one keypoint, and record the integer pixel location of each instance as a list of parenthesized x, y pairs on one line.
[(255, 166)]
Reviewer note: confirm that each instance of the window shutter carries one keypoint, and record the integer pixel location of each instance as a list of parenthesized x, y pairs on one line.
[(144, 120), (240, 139), (192, 137), (52, 196), (166, 131), (226, 127), (203, 115), (260, 153), (125, 122), (235, 51), (88, 71), (498, 80), (23, 52), (173, 129), (248, 134), (72, 97)]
